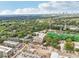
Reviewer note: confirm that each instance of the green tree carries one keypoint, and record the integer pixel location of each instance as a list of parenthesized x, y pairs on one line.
[(69, 45), (52, 39)]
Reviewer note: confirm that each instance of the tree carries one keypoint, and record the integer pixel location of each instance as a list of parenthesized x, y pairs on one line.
[(76, 38), (1, 40), (52, 40), (69, 45), (47, 40), (63, 36), (21, 34), (77, 50)]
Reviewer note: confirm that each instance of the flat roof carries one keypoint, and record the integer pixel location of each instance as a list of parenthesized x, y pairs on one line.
[(11, 42), (4, 49), (54, 55)]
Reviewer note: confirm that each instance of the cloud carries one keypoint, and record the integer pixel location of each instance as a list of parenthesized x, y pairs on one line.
[(26, 11), (44, 5), (60, 6), (5, 12), (47, 8)]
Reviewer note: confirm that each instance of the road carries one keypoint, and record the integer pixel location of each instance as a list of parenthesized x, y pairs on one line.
[(19, 51)]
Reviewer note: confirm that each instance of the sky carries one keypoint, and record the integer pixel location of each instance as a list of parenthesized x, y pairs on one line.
[(19, 4), (38, 7)]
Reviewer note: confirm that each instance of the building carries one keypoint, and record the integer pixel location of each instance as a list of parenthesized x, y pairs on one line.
[(11, 44), (30, 55), (74, 28), (62, 45), (43, 53), (76, 44), (39, 38), (54, 55), (40, 50), (26, 39), (5, 51), (16, 39), (36, 39)]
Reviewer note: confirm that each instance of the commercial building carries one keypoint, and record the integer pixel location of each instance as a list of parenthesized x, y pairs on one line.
[(5, 51)]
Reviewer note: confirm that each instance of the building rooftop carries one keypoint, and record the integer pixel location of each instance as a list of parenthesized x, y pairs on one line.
[(4, 49), (11, 42), (16, 39), (39, 38), (54, 55)]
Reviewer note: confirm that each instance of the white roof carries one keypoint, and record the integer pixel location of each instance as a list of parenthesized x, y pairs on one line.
[(11, 42), (5, 49), (54, 55)]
